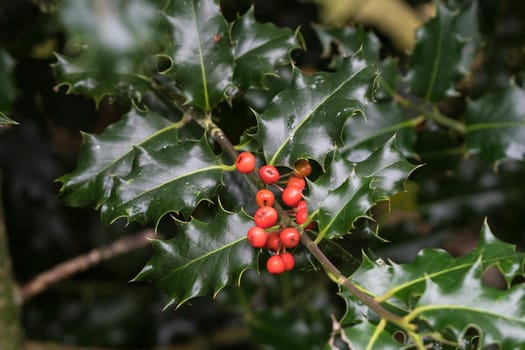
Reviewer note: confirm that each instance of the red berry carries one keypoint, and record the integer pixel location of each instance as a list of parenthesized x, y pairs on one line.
[(273, 242), (245, 162), (269, 174), (302, 168), (289, 261), (301, 205), (257, 237), (290, 237), (264, 198), (294, 181), (275, 264), (291, 196), (301, 216), (265, 217)]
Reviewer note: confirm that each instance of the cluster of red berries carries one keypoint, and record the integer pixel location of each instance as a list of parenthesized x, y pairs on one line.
[(263, 234)]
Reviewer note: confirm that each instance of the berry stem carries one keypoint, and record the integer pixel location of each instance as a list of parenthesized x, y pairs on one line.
[(176, 102)]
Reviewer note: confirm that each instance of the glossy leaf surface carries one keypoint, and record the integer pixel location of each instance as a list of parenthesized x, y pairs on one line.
[(498, 315), (106, 46), (112, 153), (200, 51), (348, 41), (314, 108), (260, 48), (496, 125), (174, 178), (347, 191), (202, 259), (436, 59), (447, 292), (383, 120), (5, 120)]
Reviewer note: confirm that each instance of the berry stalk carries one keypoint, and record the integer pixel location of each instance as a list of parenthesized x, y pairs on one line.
[(176, 101)]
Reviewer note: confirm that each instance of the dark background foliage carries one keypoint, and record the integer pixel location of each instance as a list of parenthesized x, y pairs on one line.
[(448, 200)]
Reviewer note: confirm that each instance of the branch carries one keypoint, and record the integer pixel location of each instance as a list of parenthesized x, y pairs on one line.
[(204, 120), (84, 262), (10, 327)]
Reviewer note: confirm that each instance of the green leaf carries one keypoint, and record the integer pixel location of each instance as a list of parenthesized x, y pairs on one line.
[(111, 44), (436, 60), (305, 120), (202, 259), (382, 121), (447, 293), (496, 125), (398, 283), (7, 86), (110, 154), (348, 41), (347, 191), (467, 25), (365, 335), (174, 178), (81, 76), (260, 48), (200, 51), (5, 120), (498, 315)]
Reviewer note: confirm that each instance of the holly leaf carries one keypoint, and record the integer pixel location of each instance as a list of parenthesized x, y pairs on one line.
[(383, 120), (447, 293), (202, 259), (7, 86), (436, 61), (107, 47), (314, 108), (498, 315), (5, 120), (200, 51), (259, 49), (347, 191), (108, 155), (398, 283), (174, 178), (496, 125), (347, 41), (366, 335)]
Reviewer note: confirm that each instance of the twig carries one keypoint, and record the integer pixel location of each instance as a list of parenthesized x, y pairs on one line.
[(83, 262), (204, 120)]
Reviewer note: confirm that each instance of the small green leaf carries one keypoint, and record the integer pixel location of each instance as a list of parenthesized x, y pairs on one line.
[(496, 125), (382, 121), (347, 191), (200, 50), (7, 86), (111, 43), (305, 120), (260, 48), (174, 178), (436, 60), (202, 259), (111, 154)]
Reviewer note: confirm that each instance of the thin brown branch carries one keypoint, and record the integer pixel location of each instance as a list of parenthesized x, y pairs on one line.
[(83, 262)]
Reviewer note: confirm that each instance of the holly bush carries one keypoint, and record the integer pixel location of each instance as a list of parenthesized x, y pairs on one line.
[(381, 127)]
